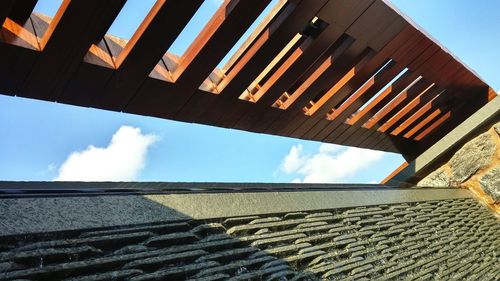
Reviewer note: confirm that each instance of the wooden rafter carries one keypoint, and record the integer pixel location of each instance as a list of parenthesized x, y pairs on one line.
[(325, 70)]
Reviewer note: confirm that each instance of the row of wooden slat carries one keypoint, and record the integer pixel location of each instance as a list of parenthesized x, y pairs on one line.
[(315, 69)]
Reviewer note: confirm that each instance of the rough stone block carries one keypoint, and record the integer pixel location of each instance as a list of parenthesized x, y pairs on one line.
[(438, 178), (490, 183), (471, 157)]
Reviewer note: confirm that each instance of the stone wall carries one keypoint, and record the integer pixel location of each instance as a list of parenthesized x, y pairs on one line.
[(475, 166)]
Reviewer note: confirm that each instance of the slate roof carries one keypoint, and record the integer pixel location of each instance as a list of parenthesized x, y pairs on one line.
[(431, 239)]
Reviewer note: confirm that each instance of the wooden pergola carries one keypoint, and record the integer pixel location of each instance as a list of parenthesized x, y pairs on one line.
[(350, 72)]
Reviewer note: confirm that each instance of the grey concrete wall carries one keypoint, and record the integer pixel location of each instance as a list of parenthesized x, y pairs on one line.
[(48, 214)]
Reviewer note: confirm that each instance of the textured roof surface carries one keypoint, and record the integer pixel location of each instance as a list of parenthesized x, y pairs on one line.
[(433, 240), (352, 72), (33, 207)]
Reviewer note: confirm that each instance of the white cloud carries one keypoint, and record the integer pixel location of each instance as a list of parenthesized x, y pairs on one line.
[(121, 160), (294, 160), (331, 163), (329, 148)]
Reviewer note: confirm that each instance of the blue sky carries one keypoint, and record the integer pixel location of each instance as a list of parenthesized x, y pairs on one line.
[(46, 141)]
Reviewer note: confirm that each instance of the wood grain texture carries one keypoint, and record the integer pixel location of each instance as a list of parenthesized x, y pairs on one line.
[(350, 72)]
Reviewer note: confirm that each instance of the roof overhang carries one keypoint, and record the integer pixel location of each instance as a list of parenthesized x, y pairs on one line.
[(323, 70)]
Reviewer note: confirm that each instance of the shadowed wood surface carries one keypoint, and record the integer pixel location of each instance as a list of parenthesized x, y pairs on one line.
[(350, 72)]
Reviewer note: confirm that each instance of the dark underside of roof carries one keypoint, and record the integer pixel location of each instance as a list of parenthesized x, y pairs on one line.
[(324, 70)]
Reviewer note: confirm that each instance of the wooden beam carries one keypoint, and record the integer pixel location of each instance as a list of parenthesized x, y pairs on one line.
[(295, 16), (19, 50), (313, 70), (153, 37), (340, 65), (69, 36), (409, 108), (405, 82), (400, 50), (414, 60), (5, 9), (377, 17), (320, 126), (21, 10), (217, 38), (338, 15)]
